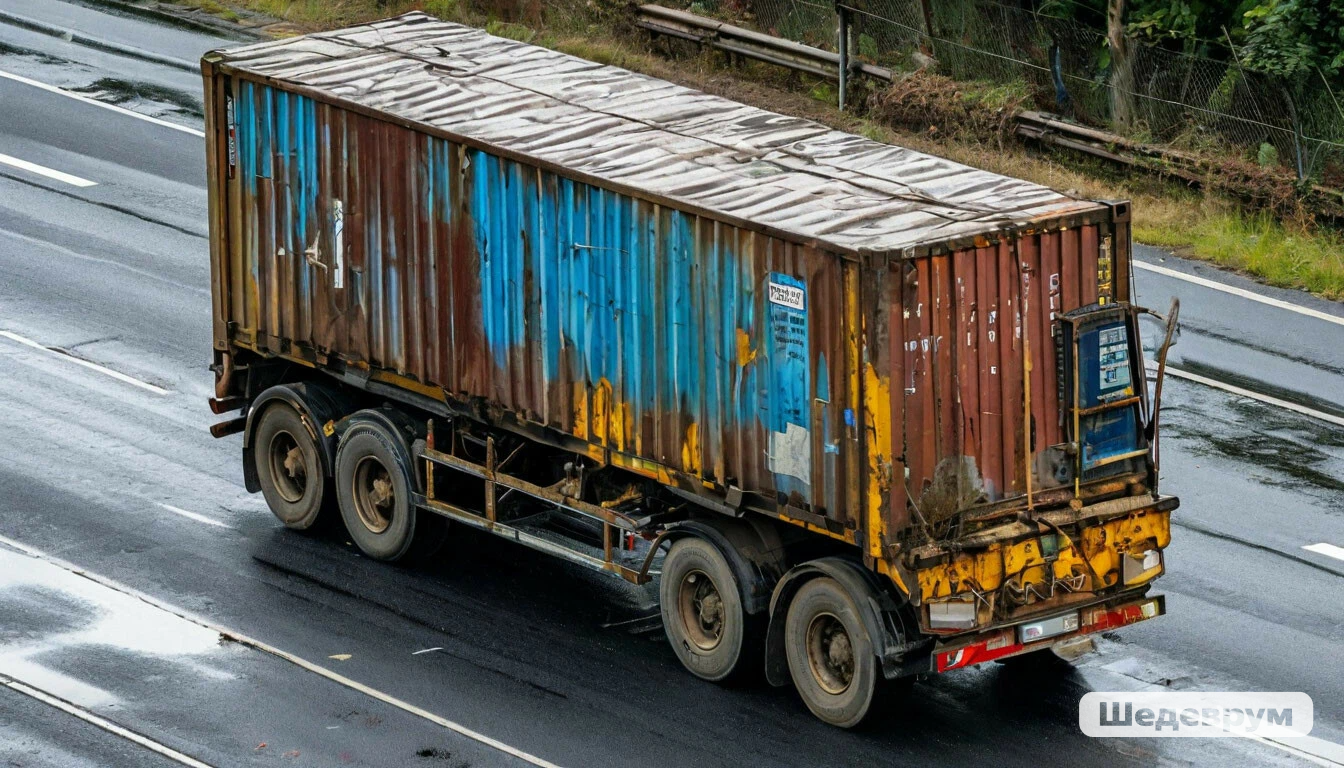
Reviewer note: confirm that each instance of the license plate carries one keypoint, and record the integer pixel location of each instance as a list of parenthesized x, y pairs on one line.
[(1040, 630)]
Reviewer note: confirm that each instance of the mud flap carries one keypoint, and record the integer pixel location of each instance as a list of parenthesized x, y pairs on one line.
[(893, 632), (315, 403)]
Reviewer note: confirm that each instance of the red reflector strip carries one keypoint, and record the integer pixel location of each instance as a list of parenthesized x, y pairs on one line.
[(1100, 619), (1004, 642), (993, 647)]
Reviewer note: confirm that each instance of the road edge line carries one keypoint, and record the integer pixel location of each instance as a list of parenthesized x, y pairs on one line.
[(87, 100), (1243, 392), (1236, 291), (266, 648), (98, 722), (1325, 548)]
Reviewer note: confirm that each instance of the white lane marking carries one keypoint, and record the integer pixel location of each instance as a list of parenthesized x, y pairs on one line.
[(1242, 292), (106, 725), (1329, 550), (118, 375), (196, 517), (1314, 750), (1267, 399), (427, 650), (97, 103), (242, 639), (1309, 748), (50, 173)]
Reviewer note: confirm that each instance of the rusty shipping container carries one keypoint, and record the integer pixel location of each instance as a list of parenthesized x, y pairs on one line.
[(756, 310)]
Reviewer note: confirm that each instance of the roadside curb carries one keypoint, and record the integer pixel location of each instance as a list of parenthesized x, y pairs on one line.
[(250, 26), (197, 21), (96, 43)]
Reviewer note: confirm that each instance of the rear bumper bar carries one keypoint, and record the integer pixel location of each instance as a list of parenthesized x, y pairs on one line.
[(1001, 643)]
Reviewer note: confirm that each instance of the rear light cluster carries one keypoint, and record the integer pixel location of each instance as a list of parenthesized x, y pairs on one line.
[(1039, 634)]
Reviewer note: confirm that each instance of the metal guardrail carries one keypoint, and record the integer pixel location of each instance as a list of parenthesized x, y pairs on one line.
[(754, 45), (803, 58), (1036, 126)]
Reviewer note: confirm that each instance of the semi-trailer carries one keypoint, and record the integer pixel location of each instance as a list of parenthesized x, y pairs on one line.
[(864, 412)]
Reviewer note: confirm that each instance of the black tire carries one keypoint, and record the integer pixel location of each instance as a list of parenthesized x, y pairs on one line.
[(703, 615), (831, 657), (374, 483), (289, 467)]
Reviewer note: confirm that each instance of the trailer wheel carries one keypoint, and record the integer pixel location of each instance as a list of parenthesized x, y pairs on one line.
[(289, 467), (831, 657), (374, 483), (702, 611)]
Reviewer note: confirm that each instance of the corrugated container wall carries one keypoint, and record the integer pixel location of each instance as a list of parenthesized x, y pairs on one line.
[(713, 295), (960, 328), (623, 322)]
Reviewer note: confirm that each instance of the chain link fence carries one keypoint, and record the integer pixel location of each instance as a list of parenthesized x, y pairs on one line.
[(1153, 94)]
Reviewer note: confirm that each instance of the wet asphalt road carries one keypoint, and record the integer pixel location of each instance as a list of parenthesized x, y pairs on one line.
[(552, 661)]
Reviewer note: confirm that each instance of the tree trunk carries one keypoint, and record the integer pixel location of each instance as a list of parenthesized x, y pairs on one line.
[(1122, 76)]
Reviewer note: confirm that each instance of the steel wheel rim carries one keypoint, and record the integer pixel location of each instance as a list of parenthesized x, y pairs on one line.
[(374, 494), (289, 467), (830, 653), (700, 607)]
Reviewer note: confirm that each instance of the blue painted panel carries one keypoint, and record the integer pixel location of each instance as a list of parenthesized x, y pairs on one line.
[(632, 324)]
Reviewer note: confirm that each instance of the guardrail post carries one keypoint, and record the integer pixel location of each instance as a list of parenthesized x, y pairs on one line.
[(842, 15)]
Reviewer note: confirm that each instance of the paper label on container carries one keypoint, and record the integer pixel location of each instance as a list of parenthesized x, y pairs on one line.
[(790, 379), (790, 296), (791, 453)]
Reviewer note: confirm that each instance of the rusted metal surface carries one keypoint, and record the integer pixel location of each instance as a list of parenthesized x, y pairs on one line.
[(958, 327), (711, 295), (639, 328)]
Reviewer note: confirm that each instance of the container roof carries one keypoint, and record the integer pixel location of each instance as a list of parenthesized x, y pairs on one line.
[(648, 136)]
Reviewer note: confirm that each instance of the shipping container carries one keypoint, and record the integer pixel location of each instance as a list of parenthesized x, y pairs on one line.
[(626, 322)]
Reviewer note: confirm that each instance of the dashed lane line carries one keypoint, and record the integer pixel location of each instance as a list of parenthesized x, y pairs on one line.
[(194, 516), (1329, 550), (50, 173)]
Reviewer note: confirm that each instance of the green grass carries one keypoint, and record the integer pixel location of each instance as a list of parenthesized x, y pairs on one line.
[(444, 9), (222, 11), (1260, 246)]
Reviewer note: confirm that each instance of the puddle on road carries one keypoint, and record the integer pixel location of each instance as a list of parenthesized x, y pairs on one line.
[(128, 93), (1272, 445), (1258, 386), (79, 617), (148, 98), (1280, 457)]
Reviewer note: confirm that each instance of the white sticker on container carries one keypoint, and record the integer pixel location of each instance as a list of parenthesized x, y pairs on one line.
[(787, 296), (338, 244), (791, 453)]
